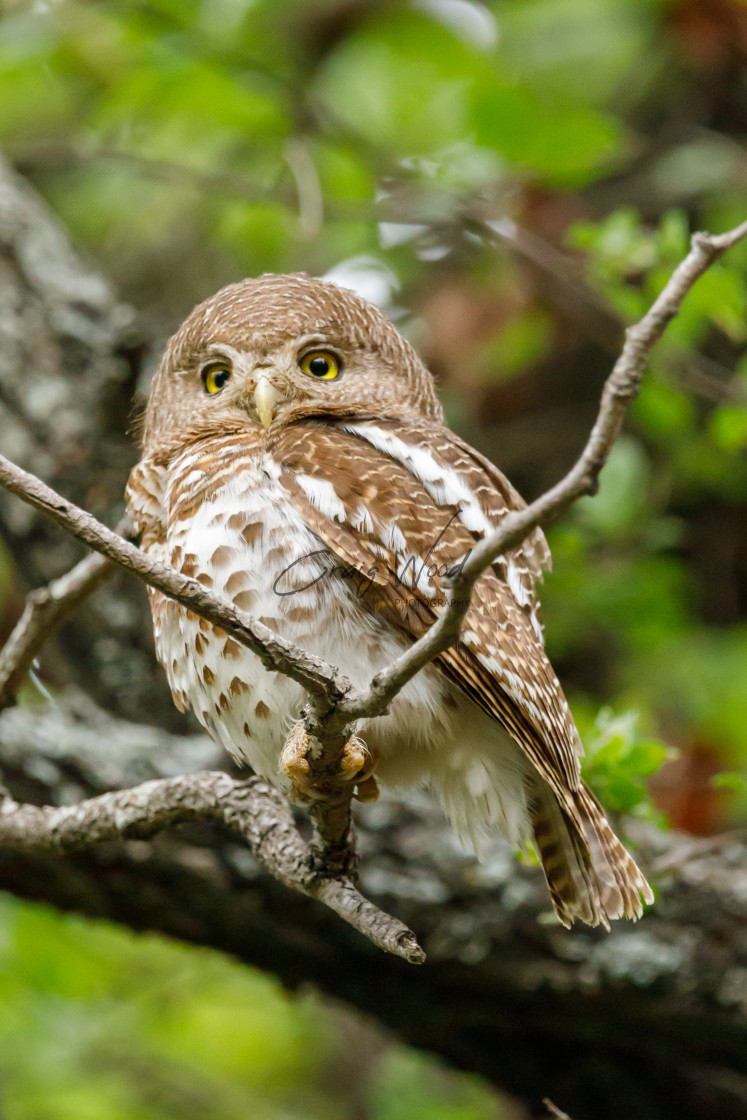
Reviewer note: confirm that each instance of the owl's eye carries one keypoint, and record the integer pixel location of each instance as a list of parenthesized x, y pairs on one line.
[(215, 377), (321, 364)]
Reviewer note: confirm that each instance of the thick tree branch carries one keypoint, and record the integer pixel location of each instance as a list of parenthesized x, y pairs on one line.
[(251, 808), (334, 704)]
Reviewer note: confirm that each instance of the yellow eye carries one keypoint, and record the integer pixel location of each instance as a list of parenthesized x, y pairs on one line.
[(321, 364), (215, 377)]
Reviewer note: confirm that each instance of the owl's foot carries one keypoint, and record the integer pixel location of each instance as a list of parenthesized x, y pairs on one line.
[(356, 765), (293, 762)]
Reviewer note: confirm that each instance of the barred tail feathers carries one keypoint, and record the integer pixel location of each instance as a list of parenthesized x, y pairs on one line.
[(590, 875), (607, 851)]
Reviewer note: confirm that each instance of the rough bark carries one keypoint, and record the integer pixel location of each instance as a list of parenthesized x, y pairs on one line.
[(70, 359)]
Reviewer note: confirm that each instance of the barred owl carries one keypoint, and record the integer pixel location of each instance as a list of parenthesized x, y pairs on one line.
[(296, 462)]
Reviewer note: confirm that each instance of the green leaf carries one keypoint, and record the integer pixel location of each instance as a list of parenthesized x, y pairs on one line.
[(619, 760), (728, 427), (521, 341), (730, 780), (663, 410), (620, 504)]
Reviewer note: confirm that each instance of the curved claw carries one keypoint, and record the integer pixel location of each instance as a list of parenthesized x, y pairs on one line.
[(356, 765)]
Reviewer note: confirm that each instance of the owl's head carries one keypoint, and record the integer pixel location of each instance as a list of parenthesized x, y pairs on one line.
[(265, 351)]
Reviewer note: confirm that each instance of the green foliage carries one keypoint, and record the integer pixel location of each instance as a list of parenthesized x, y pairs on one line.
[(676, 669), (615, 578), (109, 98), (403, 1092), (630, 263), (99, 1024), (618, 761), (727, 427), (523, 340)]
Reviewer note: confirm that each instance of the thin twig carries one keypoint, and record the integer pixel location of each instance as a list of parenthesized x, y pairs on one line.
[(308, 188), (44, 612), (251, 808), (554, 1110), (45, 609)]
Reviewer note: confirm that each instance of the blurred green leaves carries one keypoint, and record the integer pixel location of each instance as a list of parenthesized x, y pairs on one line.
[(631, 262), (401, 1094), (619, 760), (618, 509), (74, 1038), (100, 1024), (103, 101)]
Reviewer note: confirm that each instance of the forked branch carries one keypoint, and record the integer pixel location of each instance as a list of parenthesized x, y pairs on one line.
[(334, 704), (251, 809)]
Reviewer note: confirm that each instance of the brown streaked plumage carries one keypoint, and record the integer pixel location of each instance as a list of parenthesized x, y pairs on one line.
[(331, 507)]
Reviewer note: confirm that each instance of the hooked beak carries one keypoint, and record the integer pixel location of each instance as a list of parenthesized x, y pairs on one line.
[(266, 396)]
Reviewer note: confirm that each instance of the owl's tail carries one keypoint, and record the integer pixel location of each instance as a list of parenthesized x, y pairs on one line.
[(591, 877)]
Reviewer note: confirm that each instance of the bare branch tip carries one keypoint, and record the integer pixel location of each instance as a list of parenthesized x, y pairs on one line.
[(409, 949), (701, 238), (714, 244), (554, 1110)]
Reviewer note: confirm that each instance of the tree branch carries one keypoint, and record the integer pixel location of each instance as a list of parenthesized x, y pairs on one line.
[(250, 808), (334, 704), (505, 992), (44, 612)]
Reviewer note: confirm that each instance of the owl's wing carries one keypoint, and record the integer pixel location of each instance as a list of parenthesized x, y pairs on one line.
[(402, 502), (455, 474), (145, 500), (524, 564), (405, 501)]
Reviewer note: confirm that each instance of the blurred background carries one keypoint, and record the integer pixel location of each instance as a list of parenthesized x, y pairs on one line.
[(513, 182)]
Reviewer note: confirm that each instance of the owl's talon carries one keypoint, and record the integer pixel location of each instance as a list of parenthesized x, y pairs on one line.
[(295, 765), (355, 756), (356, 765)]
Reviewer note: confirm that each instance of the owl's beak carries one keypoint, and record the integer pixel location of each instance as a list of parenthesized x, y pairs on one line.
[(266, 396)]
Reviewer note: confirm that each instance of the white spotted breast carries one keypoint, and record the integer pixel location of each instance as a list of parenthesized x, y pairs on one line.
[(231, 525)]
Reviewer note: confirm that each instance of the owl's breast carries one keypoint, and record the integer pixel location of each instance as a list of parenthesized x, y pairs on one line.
[(238, 533)]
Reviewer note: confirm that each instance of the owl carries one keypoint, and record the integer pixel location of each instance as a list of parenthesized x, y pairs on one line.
[(296, 462)]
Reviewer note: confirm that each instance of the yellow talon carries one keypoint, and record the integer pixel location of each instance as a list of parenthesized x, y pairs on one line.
[(295, 765), (354, 756), (356, 765)]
